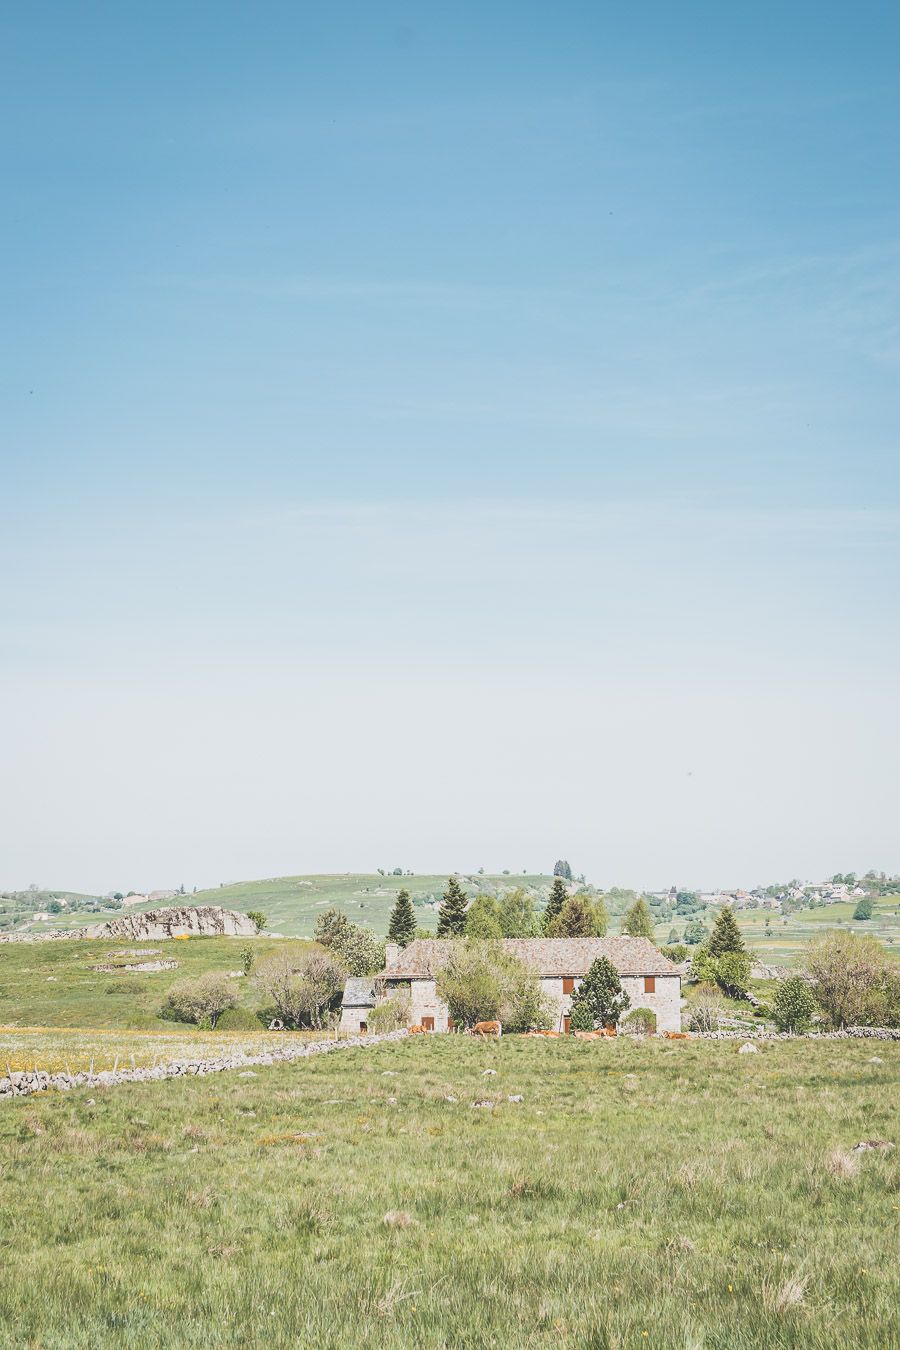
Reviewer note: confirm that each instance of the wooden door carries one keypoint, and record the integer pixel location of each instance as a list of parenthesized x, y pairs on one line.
[(428, 1023), (567, 1021)]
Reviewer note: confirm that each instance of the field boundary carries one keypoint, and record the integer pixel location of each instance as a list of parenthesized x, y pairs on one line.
[(25, 1083)]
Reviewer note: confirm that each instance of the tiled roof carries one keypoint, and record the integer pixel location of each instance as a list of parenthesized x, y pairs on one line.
[(359, 993), (548, 956)]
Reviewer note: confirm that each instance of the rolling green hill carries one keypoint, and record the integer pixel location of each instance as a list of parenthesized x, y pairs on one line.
[(292, 904)]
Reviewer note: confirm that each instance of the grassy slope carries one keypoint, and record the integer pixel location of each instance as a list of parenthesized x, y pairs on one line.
[(55, 984), (642, 1194), (292, 904)]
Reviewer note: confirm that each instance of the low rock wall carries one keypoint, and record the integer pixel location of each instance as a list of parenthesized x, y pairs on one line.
[(754, 1034), (25, 1083)]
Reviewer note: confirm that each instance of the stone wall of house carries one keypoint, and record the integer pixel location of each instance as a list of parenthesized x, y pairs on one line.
[(427, 1005), (352, 1021), (665, 1001)]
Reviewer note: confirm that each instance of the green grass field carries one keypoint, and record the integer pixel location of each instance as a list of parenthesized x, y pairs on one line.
[(669, 1194), (57, 984)]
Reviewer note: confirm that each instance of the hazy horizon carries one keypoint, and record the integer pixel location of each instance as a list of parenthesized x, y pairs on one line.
[(464, 436)]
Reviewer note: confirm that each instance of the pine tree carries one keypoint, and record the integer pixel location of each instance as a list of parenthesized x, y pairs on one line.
[(600, 999), (558, 897), (638, 922), (562, 869), (726, 936), (452, 916), (574, 920), (402, 927)]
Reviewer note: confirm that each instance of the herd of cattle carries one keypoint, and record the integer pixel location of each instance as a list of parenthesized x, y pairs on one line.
[(496, 1029)]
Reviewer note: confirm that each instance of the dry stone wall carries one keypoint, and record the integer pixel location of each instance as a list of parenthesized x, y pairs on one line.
[(25, 1083)]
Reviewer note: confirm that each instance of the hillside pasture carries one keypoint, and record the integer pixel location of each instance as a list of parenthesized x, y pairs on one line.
[(58, 983), (670, 1194)]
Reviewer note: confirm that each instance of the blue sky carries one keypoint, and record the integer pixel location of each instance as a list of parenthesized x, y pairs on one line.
[(449, 437)]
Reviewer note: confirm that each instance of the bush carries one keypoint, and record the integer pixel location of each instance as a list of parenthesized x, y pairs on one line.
[(640, 1022), (733, 973), (482, 982), (706, 1014), (391, 1014), (794, 1005), (677, 952), (202, 1000), (355, 947), (257, 918), (239, 1019), (730, 971), (854, 981), (302, 986)]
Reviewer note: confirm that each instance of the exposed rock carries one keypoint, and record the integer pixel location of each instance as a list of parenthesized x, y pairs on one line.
[(748, 1049), (866, 1145), (176, 921), (516, 1097)]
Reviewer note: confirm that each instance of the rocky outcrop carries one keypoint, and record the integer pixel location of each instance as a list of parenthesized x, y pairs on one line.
[(153, 924), (175, 921), (24, 1084)]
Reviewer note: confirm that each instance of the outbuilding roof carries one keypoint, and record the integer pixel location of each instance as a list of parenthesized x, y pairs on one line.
[(548, 956), (359, 993)]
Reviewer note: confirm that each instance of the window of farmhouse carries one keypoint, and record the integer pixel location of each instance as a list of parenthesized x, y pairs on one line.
[(649, 984), (568, 984)]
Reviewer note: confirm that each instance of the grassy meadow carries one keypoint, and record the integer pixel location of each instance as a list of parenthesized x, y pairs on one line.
[(58, 984), (657, 1193)]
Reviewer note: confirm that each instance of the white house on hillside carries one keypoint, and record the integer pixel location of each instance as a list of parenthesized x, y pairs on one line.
[(648, 978)]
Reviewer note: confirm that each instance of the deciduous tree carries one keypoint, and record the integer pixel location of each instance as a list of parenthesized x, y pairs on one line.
[(638, 921)]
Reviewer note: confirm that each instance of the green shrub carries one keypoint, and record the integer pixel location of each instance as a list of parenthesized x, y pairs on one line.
[(794, 1005), (677, 952), (239, 1019), (202, 1000), (257, 918), (640, 1022), (392, 1014)]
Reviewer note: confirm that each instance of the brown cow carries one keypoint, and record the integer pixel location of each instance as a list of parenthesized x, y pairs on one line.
[(588, 1035), (417, 1031), (677, 1035), (487, 1029)]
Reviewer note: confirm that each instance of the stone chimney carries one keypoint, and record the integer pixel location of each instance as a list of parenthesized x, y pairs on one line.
[(392, 952)]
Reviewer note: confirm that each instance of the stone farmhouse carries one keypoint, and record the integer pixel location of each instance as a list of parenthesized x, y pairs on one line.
[(650, 980)]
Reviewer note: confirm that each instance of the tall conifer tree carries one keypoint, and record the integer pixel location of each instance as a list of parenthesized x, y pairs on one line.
[(452, 916), (726, 936), (402, 927), (558, 897)]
